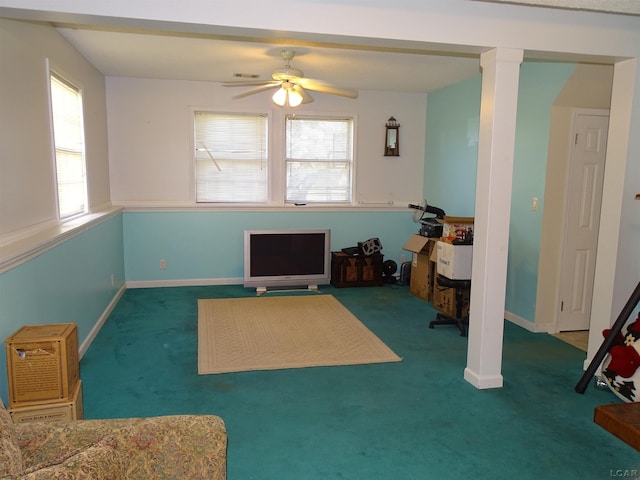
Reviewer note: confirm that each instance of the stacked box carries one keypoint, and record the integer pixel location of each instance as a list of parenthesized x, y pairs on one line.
[(457, 228), (42, 364), (422, 276), (422, 266), (64, 411), (445, 300), (454, 261), (432, 257)]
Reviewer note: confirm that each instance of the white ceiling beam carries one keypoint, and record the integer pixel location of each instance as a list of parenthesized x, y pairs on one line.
[(628, 7)]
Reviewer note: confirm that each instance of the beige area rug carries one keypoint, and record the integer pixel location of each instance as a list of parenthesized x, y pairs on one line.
[(270, 333)]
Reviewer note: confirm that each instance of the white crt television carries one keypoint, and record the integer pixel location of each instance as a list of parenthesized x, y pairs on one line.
[(287, 258)]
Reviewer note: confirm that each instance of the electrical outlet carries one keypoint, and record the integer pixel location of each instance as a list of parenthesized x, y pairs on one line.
[(403, 258), (163, 264)]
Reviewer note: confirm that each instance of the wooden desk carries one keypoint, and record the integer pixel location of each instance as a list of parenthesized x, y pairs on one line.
[(622, 420)]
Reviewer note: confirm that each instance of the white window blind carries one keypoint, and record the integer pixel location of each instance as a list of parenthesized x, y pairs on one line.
[(319, 159), (68, 134), (231, 157)]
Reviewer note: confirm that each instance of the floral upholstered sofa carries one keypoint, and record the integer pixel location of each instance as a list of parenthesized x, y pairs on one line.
[(170, 447)]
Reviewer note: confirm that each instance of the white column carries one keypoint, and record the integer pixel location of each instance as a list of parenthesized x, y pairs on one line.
[(498, 108)]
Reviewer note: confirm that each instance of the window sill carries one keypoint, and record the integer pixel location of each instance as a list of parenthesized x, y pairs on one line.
[(20, 247), (190, 207)]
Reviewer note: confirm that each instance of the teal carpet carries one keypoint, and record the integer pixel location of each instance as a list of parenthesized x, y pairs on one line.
[(416, 419)]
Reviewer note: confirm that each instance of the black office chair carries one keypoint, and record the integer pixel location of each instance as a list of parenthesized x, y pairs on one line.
[(459, 320)]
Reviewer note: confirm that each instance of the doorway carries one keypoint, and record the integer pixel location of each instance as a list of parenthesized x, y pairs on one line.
[(583, 200)]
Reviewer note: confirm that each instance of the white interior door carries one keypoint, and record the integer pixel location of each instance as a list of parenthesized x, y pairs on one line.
[(584, 198)]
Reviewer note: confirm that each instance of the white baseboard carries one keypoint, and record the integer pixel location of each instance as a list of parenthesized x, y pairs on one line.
[(103, 318), (189, 282), (521, 322)]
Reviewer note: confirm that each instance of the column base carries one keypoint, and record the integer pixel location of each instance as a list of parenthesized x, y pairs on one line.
[(482, 382)]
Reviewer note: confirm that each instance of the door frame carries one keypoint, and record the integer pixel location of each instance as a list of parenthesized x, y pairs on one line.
[(603, 115), (554, 221)]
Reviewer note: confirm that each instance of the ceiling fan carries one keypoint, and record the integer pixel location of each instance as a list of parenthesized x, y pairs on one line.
[(291, 83)]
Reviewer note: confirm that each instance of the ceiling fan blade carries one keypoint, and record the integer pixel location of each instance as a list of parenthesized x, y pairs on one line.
[(247, 83), (258, 89), (318, 86)]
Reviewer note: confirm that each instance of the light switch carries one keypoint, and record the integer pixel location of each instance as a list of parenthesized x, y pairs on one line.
[(534, 204)]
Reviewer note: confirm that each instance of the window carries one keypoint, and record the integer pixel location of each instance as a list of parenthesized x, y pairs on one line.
[(68, 135), (231, 157), (319, 158)]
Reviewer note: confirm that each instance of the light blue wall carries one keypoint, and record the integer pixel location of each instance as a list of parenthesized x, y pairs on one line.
[(540, 84), (453, 116), (209, 245), (451, 159), (69, 283)]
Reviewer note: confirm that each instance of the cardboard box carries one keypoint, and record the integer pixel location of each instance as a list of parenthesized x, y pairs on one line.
[(42, 363), (456, 228), (447, 299), (422, 273), (422, 266), (454, 261), (51, 412)]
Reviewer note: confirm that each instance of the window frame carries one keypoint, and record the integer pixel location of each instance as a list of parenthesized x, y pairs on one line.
[(351, 162), (194, 111), (276, 146), (55, 75)]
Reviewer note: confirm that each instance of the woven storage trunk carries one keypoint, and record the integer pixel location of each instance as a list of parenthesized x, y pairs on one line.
[(42, 363), (356, 270), (64, 411)]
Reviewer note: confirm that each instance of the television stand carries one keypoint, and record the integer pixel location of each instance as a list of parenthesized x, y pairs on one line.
[(261, 290)]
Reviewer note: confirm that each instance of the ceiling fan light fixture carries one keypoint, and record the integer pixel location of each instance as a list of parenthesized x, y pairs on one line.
[(280, 97), (292, 86), (295, 98), (287, 95)]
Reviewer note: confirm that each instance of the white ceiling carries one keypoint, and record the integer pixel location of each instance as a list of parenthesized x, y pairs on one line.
[(170, 55), (211, 59)]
